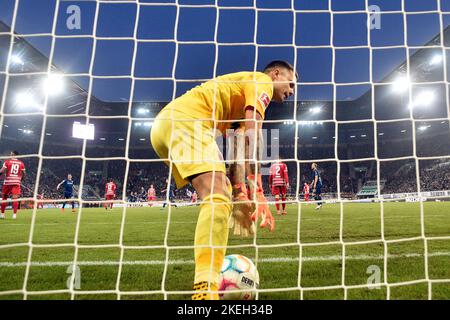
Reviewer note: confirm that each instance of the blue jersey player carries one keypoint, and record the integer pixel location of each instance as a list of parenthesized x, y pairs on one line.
[(316, 185), (68, 191), (170, 190)]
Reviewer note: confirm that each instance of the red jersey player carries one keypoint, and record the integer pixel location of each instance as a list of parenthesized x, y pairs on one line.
[(194, 197), (151, 195), (110, 193), (40, 204), (15, 171), (279, 182), (306, 192)]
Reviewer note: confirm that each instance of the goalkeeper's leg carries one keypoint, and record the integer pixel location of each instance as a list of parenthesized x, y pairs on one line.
[(211, 231), (188, 141)]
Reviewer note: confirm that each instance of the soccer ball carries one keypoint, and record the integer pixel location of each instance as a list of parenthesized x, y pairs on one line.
[(238, 273)]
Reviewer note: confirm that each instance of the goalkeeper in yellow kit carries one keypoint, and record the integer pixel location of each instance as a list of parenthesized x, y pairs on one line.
[(183, 135)]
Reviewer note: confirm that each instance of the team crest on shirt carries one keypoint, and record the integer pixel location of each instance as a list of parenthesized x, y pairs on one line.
[(264, 99)]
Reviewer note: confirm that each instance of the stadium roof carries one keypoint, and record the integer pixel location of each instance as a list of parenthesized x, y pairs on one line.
[(311, 115)]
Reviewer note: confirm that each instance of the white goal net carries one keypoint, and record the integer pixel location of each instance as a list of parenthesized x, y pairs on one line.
[(81, 83)]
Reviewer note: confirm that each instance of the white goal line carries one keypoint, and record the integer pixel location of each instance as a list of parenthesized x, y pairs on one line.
[(186, 262)]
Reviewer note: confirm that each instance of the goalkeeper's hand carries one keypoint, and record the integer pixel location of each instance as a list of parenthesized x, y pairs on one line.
[(241, 218), (262, 210)]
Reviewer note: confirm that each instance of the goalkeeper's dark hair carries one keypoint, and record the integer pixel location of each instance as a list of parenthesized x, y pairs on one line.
[(280, 64), (15, 152)]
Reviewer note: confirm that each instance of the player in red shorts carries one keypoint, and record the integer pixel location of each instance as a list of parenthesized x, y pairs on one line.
[(194, 197), (110, 193), (15, 171), (306, 192), (40, 204), (151, 195), (279, 182)]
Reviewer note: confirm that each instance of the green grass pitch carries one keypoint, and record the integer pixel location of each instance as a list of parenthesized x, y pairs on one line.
[(320, 275)]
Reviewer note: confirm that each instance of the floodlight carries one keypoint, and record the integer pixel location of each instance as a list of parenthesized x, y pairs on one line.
[(54, 84), (423, 128), (424, 98), (16, 59), (401, 84), (25, 99), (315, 109), (142, 111), (436, 59)]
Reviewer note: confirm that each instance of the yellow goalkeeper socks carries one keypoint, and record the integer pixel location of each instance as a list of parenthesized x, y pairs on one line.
[(211, 230), (202, 291)]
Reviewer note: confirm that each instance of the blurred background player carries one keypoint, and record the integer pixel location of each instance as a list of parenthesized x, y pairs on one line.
[(306, 192), (151, 195), (133, 197), (170, 190), (279, 183), (68, 191), (316, 185), (143, 195), (110, 193), (194, 197), (243, 97), (40, 204), (15, 171)]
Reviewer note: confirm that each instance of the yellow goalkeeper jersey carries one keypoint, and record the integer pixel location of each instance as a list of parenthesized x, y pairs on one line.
[(226, 97)]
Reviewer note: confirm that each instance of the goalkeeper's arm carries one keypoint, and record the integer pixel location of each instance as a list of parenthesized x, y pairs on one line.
[(241, 219), (253, 153), (248, 144)]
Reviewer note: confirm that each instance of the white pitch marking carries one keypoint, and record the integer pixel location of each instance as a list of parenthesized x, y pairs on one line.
[(184, 262)]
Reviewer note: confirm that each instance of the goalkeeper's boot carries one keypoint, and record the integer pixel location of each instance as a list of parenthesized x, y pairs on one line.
[(202, 293), (2, 216), (14, 216), (284, 212)]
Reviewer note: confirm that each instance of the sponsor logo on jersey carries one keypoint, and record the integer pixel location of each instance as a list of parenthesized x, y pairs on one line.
[(264, 99)]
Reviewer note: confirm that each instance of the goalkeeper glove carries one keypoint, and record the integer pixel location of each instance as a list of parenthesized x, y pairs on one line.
[(262, 209), (241, 218)]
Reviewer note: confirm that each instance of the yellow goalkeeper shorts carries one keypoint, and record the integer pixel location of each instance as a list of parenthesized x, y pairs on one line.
[(186, 143)]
